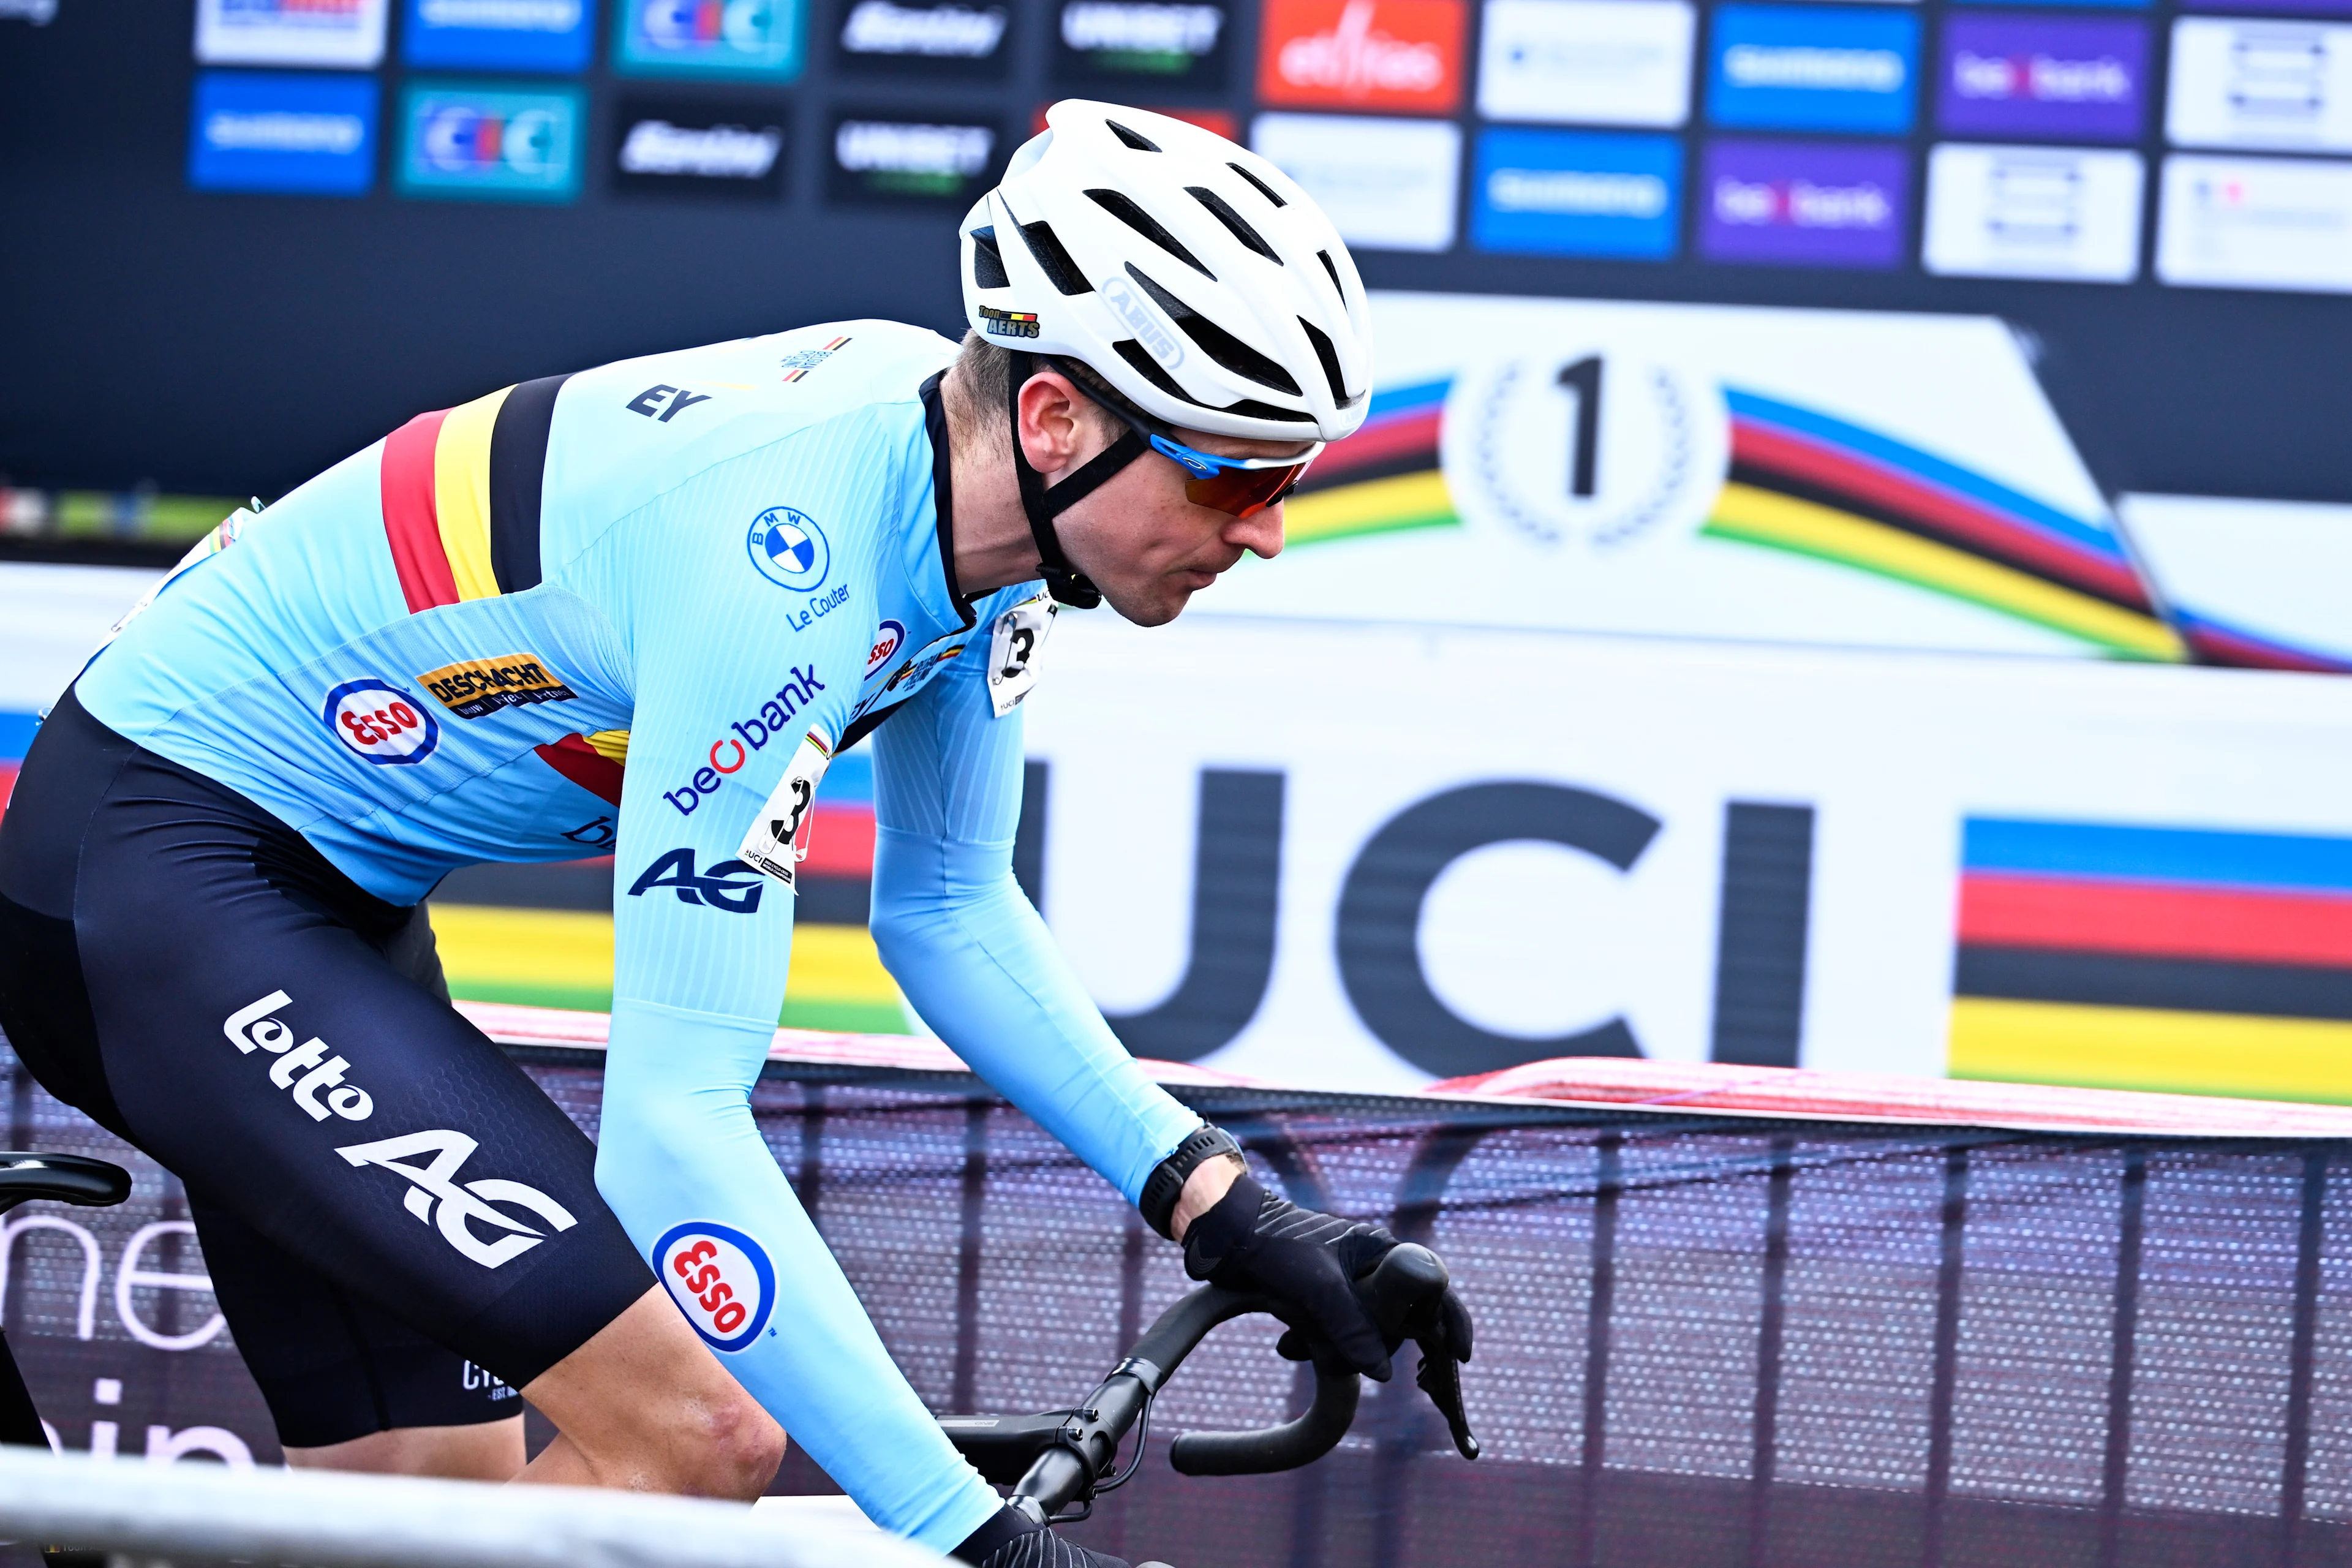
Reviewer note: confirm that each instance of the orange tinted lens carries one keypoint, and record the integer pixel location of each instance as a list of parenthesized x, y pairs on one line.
[(1244, 493)]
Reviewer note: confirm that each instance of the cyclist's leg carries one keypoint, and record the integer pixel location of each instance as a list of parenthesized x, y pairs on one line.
[(394, 1150), (349, 1386)]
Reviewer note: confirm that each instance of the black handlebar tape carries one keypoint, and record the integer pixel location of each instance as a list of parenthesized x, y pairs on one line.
[(1284, 1447)]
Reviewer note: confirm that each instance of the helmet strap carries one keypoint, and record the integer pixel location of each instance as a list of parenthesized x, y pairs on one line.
[(1065, 581)]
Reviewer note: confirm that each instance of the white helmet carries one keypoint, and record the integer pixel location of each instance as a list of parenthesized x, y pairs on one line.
[(1191, 274)]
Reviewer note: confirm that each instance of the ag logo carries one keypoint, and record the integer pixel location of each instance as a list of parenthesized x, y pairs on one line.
[(887, 637), (730, 885), (789, 549), (720, 1278), (438, 1198), (1585, 445), (380, 723)]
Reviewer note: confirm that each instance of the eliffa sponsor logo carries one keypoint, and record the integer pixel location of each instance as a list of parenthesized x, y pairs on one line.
[(718, 152), (931, 32)]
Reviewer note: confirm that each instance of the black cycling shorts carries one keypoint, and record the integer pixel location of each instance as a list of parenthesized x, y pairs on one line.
[(389, 1207)]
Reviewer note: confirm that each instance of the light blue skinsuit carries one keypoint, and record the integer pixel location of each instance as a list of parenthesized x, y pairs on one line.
[(719, 579)]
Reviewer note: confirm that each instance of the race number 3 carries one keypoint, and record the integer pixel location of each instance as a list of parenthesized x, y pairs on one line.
[(779, 836), (720, 1278)]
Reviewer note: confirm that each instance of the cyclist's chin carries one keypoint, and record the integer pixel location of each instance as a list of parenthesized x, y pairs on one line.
[(1154, 603)]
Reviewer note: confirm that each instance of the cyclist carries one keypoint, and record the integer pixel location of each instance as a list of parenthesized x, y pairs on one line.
[(713, 569)]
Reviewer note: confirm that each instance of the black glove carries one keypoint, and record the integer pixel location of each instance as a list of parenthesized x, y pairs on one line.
[(1012, 1540), (1306, 1264)]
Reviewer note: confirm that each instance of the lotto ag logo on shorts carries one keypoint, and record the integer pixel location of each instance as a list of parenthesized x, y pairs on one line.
[(380, 723), (790, 550), (720, 1278)]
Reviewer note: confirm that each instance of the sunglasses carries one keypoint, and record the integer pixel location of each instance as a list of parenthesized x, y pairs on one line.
[(1241, 487)]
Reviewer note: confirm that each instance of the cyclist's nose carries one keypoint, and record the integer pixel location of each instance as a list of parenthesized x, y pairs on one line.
[(1260, 535)]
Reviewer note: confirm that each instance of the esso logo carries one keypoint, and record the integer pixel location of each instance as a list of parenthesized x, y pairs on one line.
[(380, 724), (789, 549), (886, 639), (720, 1278)]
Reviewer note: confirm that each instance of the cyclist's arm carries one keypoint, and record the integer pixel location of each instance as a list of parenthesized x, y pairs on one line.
[(970, 951), (697, 988)]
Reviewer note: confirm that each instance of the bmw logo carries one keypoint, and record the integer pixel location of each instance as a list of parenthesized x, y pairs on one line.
[(789, 549)]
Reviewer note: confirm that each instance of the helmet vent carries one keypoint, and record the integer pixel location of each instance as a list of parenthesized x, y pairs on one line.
[(1329, 266), (1215, 342), (1251, 408), (1330, 358), (1135, 354), (1120, 208), (987, 262), (1054, 262), (1134, 138), (1263, 188), (1223, 211)]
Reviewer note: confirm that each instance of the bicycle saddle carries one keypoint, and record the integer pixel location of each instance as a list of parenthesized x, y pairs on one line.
[(69, 1178)]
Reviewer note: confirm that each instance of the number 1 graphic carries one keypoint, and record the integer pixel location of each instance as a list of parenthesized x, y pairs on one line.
[(1583, 378)]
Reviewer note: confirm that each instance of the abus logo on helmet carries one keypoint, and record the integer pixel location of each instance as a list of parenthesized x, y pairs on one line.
[(380, 723), (1389, 53), (720, 1278), (1157, 341)]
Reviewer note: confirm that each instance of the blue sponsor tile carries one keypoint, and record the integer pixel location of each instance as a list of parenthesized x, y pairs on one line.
[(1813, 68), (299, 134), (491, 141), (1574, 193), (498, 35), (759, 39)]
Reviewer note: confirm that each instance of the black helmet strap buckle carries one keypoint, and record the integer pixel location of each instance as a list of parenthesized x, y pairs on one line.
[(1065, 581)]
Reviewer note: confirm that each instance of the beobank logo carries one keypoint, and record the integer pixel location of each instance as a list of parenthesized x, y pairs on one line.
[(1364, 54)]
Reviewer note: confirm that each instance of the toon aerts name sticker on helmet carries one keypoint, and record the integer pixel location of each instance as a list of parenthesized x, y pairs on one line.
[(789, 549), (778, 840), (379, 722), (720, 1278)]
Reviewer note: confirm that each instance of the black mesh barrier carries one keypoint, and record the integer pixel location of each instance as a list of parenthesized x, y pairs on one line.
[(1702, 1340)]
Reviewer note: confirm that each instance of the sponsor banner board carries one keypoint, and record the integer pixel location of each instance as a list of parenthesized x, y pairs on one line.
[(345, 33), (2074, 79), (1594, 62), (1602, 845), (757, 39), (1804, 204), (498, 35), (2256, 583), (2255, 223), (1403, 55), (2272, 84), (1843, 478), (965, 39), (1125, 49), (491, 142), (305, 135), (1577, 193), (1386, 184), (2032, 212), (895, 157), (1799, 67), (701, 147)]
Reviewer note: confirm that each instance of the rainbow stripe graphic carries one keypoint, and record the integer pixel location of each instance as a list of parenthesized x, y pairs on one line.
[(1813, 485), (2218, 642), (1382, 479), (2184, 959)]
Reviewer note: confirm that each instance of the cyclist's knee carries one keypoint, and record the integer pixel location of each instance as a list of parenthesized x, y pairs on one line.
[(728, 1446)]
